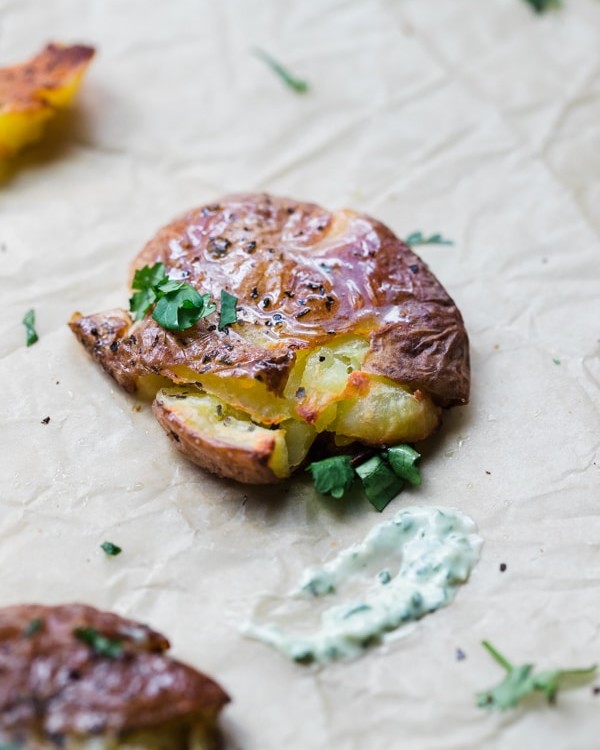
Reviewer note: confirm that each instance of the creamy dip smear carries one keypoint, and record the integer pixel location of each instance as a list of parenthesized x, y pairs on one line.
[(404, 569)]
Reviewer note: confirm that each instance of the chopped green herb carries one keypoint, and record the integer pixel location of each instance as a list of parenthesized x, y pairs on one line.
[(111, 549), (296, 84), (382, 476), (418, 238), (145, 280), (403, 461), (178, 305), (181, 308), (380, 484), (100, 644), (556, 361), (520, 682), (333, 476), (33, 627), (228, 312), (540, 6), (29, 323)]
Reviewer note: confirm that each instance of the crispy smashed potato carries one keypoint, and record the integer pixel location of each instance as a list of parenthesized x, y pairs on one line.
[(343, 338), (32, 92), (76, 678)]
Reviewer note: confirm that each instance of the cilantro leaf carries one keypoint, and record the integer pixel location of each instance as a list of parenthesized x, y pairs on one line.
[(403, 460), (177, 305), (141, 302), (148, 276), (29, 323), (380, 484), (100, 644), (228, 312), (521, 681), (145, 281), (332, 476), (167, 285), (418, 238), (296, 84), (182, 308), (111, 549), (539, 6)]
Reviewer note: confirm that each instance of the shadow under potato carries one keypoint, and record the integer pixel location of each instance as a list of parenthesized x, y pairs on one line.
[(67, 129)]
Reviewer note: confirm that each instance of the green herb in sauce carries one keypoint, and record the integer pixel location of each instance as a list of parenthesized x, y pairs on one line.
[(404, 569)]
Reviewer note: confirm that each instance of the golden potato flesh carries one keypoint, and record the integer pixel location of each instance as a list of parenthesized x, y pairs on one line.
[(217, 436), (341, 329), (32, 92)]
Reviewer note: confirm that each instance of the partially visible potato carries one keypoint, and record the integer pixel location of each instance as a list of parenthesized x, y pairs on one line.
[(32, 92), (114, 689), (340, 329)]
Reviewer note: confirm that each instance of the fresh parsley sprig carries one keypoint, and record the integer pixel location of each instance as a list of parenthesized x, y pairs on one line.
[(521, 681), (382, 476), (418, 238), (177, 305), (296, 84)]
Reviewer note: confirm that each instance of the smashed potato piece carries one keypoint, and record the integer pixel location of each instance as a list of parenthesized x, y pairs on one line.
[(341, 331), (215, 435), (32, 92), (77, 678)]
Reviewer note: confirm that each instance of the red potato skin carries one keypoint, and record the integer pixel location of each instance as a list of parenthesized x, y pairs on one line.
[(250, 463), (24, 86), (52, 684), (302, 276)]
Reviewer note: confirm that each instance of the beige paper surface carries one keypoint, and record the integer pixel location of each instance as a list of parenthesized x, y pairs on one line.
[(476, 119)]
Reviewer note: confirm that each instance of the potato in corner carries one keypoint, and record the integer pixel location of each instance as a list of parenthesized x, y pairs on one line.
[(76, 678), (262, 327)]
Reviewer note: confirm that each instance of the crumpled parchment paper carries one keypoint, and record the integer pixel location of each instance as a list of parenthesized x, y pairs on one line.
[(477, 119)]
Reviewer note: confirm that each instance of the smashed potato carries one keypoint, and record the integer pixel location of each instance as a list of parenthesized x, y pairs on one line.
[(32, 92), (76, 678), (343, 336)]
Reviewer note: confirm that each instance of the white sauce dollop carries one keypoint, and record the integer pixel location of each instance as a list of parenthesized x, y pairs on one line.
[(405, 568)]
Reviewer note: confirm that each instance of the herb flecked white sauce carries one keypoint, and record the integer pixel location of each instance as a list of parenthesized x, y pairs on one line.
[(405, 568)]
